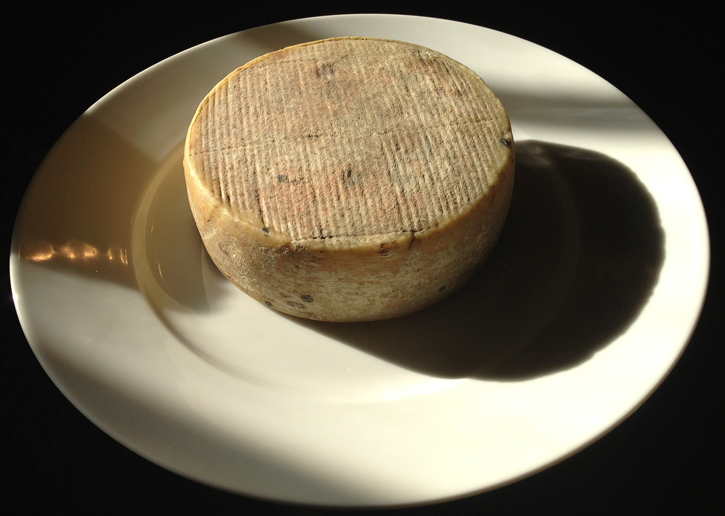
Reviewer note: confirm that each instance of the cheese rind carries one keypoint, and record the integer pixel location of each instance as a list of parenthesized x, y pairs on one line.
[(349, 179)]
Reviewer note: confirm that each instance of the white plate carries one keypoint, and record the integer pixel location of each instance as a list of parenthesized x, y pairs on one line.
[(585, 307)]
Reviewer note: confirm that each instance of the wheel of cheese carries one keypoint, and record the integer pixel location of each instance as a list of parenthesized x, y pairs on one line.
[(349, 179)]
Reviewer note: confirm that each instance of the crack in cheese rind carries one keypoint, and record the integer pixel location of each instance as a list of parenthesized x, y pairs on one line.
[(374, 171)]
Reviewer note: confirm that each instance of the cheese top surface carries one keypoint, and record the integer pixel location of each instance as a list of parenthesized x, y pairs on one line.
[(349, 141)]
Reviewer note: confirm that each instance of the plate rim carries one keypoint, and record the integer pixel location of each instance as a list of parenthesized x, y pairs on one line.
[(14, 265)]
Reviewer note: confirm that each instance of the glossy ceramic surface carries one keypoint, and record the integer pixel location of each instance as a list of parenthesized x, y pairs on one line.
[(586, 305)]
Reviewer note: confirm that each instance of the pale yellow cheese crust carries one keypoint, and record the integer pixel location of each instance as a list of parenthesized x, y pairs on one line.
[(349, 179)]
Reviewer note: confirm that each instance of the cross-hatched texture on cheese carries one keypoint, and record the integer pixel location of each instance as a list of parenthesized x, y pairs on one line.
[(375, 173)]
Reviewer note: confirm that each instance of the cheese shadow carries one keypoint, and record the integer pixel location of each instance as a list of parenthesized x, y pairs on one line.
[(578, 259)]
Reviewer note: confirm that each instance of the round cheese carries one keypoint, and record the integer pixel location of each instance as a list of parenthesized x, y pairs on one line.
[(349, 179)]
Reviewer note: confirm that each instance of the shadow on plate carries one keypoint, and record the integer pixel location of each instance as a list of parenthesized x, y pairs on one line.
[(578, 258)]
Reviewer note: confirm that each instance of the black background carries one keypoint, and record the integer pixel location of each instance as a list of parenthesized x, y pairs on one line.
[(667, 458)]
